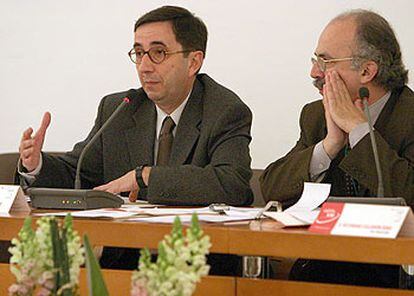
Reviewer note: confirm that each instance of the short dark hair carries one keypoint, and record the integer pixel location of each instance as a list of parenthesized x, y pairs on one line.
[(376, 41), (189, 30)]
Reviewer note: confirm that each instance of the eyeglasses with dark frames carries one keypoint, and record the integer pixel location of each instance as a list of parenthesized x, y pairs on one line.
[(322, 62), (156, 54)]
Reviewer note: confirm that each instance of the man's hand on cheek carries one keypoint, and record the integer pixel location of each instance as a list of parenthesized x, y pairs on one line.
[(344, 112)]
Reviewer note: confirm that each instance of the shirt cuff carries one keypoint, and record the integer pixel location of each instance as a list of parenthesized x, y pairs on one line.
[(356, 135), (30, 176), (320, 161)]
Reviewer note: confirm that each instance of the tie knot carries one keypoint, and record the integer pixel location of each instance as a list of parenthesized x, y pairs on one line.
[(167, 125)]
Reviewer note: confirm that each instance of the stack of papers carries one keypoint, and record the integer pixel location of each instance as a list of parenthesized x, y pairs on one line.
[(304, 212)]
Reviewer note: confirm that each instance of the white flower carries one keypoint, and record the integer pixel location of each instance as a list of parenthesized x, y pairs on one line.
[(32, 260), (180, 264)]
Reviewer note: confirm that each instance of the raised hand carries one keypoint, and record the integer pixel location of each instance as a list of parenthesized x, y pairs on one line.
[(336, 138), (344, 112), (31, 146)]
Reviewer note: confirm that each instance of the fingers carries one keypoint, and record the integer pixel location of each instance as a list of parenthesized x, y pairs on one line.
[(324, 95), (331, 97), (25, 154), (41, 132), (27, 134), (325, 102), (30, 146), (26, 144), (133, 195), (26, 150), (26, 141), (359, 104), (123, 184), (109, 187), (340, 90)]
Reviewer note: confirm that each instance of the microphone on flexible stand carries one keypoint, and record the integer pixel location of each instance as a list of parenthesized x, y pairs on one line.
[(124, 102), (57, 198), (364, 95)]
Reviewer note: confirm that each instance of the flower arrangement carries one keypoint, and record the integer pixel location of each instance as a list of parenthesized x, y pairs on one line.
[(180, 264), (47, 260)]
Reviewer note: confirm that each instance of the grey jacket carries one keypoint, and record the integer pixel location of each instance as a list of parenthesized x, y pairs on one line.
[(209, 162)]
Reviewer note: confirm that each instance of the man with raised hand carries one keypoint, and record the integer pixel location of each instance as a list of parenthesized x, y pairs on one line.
[(183, 139)]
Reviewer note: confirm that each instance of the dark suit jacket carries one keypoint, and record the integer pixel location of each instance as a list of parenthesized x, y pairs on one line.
[(394, 131), (210, 159)]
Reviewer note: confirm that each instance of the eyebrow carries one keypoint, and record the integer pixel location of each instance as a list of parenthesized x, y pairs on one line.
[(323, 55), (136, 44)]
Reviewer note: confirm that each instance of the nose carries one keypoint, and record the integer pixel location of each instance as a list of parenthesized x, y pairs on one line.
[(316, 72), (146, 64)]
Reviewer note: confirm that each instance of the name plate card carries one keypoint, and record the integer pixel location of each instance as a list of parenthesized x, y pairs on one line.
[(364, 220), (12, 199)]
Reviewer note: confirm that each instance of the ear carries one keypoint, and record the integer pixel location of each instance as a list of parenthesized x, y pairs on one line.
[(196, 59), (368, 72)]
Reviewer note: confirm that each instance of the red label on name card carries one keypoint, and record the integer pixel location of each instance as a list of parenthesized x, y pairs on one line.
[(327, 218)]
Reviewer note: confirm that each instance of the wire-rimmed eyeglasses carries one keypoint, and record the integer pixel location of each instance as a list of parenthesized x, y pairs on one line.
[(321, 62)]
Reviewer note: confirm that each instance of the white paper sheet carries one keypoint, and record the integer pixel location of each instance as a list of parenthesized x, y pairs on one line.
[(163, 215), (313, 195), (308, 216), (305, 211), (177, 211), (132, 211), (370, 220), (285, 218), (187, 219), (138, 203), (12, 199), (247, 213), (100, 213)]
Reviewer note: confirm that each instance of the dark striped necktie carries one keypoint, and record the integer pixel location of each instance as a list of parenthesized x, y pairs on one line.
[(165, 141), (352, 186)]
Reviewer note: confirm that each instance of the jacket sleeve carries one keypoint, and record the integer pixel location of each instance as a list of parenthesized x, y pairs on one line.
[(283, 179), (59, 171), (224, 180)]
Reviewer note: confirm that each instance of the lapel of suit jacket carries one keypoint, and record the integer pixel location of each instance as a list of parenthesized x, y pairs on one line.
[(141, 136), (188, 129), (386, 112)]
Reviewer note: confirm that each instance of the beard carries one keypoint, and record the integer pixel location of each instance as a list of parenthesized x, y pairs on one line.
[(318, 83)]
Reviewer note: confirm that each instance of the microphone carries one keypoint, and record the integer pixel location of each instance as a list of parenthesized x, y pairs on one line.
[(124, 102), (56, 198), (364, 95)]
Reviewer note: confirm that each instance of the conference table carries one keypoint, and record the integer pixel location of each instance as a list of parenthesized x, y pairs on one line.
[(257, 238)]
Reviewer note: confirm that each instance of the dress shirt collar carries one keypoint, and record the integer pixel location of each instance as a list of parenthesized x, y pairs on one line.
[(175, 115), (376, 108)]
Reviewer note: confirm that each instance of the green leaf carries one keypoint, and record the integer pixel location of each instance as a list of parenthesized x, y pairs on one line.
[(177, 231), (65, 274), (57, 253), (96, 283), (195, 228), (145, 257)]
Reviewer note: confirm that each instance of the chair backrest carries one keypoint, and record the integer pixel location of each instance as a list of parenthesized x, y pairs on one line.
[(8, 163), (258, 200)]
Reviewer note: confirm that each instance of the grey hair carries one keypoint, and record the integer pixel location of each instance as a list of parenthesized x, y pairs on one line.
[(376, 41)]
